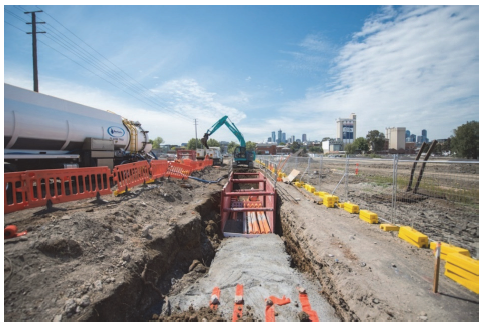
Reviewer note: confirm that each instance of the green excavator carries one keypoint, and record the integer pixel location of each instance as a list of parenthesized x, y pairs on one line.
[(240, 156)]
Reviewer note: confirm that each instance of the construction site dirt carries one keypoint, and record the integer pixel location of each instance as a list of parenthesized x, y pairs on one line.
[(156, 252)]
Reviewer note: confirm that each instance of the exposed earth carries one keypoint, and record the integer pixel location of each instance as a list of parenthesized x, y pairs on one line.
[(125, 258)]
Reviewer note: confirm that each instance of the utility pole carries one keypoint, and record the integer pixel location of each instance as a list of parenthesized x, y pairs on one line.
[(34, 46), (195, 133)]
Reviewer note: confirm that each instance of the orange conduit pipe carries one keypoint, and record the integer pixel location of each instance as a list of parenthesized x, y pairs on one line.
[(305, 304), (238, 303), (269, 315), (215, 296)]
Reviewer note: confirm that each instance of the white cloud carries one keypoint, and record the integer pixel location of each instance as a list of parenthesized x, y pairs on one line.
[(418, 70), (248, 78)]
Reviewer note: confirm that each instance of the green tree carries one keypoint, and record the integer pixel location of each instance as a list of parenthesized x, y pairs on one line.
[(350, 148), (295, 146), (250, 146), (376, 139), (191, 144), (315, 149), (156, 142), (447, 145), (212, 142), (464, 142), (361, 144)]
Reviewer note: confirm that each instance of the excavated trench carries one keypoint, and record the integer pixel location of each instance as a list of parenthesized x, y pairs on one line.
[(182, 257)]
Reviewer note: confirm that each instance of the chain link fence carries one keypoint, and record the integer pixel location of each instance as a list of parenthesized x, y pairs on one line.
[(437, 198)]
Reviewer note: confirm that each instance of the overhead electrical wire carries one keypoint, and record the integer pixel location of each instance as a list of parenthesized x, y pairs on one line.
[(132, 83), (112, 76)]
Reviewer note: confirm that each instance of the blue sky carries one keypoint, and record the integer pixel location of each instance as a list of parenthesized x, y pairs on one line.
[(295, 68)]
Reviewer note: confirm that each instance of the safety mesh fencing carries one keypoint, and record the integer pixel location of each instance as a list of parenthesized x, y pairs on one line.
[(444, 204)]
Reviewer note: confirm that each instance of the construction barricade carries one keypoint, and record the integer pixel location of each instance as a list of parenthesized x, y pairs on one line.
[(158, 168), (15, 192), (178, 170), (131, 174), (37, 188)]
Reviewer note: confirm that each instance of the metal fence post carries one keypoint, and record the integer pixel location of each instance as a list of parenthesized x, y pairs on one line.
[(394, 189), (320, 174), (347, 178)]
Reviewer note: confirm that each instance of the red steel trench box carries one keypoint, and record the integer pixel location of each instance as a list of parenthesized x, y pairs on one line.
[(248, 205)]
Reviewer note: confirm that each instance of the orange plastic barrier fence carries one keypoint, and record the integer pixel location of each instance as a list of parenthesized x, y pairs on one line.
[(178, 170), (35, 188), (131, 174), (158, 168), (15, 192)]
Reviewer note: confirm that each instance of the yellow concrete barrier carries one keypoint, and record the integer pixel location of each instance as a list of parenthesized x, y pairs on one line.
[(368, 216), (350, 207), (340, 205), (321, 194), (389, 227), (329, 201), (447, 249), (463, 270), (412, 236), (309, 188)]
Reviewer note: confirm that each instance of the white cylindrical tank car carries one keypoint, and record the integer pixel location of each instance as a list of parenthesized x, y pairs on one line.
[(42, 131)]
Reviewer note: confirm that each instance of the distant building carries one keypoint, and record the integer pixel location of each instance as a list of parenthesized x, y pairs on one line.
[(273, 137), (279, 137), (265, 148), (269, 139), (292, 139), (347, 129), (419, 139), (408, 133), (298, 141), (411, 138), (283, 136), (396, 137), (303, 138), (332, 146), (424, 134)]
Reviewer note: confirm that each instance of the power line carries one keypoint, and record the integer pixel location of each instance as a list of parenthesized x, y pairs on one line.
[(15, 27), (134, 86)]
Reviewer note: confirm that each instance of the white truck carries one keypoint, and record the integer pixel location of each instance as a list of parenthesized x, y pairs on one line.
[(44, 132), (213, 152)]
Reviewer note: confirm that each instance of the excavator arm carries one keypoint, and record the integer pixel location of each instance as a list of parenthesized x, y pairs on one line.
[(217, 125)]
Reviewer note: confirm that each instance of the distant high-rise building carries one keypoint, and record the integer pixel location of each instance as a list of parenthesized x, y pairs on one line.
[(412, 137), (293, 139), (424, 134), (303, 138), (279, 137), (269, 139), (408, 133), (347, 129), (283, 137), (273, 137), (420, 139)]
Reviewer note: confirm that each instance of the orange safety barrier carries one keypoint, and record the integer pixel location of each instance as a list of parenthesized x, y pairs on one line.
[(305, 304), (215, 296), (238, 303), (269, 316), (50, 186), (131, 174), (178, 170), (158, 168), (15, 192)]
